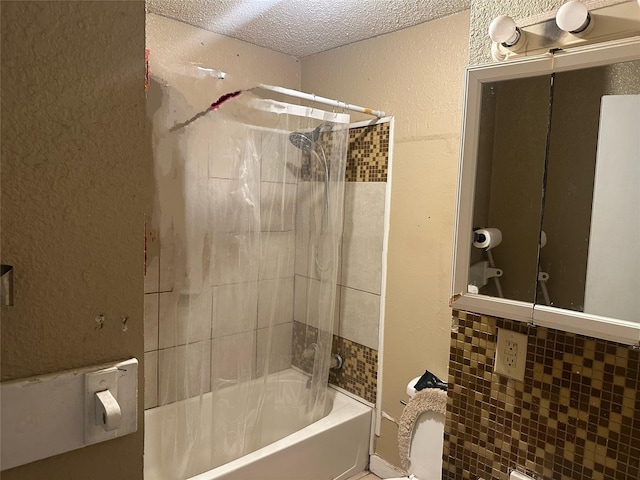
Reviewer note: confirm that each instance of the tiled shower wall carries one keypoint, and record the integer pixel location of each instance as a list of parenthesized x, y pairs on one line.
[(211, 328), (576, 415), (357, 315)]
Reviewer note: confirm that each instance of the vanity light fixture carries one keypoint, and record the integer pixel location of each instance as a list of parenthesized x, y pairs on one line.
[(503, 30), (573, 17), (506, 37)]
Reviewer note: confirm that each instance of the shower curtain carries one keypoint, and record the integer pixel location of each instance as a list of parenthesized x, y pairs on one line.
[(256, 221)]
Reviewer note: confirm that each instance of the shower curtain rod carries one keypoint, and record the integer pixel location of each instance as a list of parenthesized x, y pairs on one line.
[(283, 91), (326, 101)]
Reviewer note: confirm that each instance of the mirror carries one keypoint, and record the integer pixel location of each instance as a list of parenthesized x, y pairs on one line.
[(548, 221), (592, 196), (508, 193)]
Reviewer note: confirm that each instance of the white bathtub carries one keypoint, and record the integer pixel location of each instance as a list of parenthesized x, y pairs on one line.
[(335, 447)]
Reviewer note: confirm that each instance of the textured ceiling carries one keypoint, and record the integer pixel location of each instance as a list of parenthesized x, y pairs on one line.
[(304, 27)]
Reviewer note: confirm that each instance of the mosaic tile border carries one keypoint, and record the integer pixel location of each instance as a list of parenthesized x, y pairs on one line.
[(576, 415), (359, 372), (368, 153)]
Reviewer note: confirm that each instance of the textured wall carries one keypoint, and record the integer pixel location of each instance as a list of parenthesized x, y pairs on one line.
[(76, 181), (416, 75), (483, 11)]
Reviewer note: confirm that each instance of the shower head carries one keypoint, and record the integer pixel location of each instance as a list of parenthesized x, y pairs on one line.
[(306, 141), (303, 141)]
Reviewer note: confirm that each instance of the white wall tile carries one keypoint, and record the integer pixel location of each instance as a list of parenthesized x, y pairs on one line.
[(277, 206), (281, 347), (281, 160), (152, 275), (150, 379), (359, 316), (233, 358), (235, 257), (184, 318), (277, 255), (184, 372), (233, 205), (307, 305), (308, 221), (275, 302), (363, 235), (235, 308), (150, 322), (167, 263)]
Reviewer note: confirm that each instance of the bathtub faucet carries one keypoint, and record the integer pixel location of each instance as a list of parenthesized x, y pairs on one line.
[(311, 351), (336, 364), (336, 361)]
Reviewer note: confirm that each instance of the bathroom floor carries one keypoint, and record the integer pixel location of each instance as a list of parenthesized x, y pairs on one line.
[(364, 476)]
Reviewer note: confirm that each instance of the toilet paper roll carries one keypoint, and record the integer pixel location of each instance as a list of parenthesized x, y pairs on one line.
[(411, 391), (487, 238)]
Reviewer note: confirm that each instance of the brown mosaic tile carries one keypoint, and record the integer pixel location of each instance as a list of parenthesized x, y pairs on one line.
[(359, 371), (368, 153), (576, 415)]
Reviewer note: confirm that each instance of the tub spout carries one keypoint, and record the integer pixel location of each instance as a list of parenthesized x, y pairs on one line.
[(310, 351)]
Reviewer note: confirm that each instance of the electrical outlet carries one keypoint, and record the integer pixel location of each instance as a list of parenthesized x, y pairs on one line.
[(519, 476), (511, 354)]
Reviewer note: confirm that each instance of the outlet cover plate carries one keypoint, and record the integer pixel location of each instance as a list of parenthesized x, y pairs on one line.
[(511, 354), (519, 476)]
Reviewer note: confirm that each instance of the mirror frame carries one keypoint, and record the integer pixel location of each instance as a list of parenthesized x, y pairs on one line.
[(606, 328)]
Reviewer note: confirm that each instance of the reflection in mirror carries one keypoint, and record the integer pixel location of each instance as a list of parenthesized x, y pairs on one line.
[(592, 198), (508, 188)]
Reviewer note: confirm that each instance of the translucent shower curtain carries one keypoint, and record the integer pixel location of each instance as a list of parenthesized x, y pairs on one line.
[(256, 223)]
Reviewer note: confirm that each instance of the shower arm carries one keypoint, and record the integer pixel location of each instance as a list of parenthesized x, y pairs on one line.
[(325, 101)]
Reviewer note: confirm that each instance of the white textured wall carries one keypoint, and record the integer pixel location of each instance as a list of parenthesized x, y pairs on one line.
[(416, 75), (76, 181), (174, 45), (304, 27)]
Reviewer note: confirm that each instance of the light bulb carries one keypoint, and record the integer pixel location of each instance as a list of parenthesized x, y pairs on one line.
[(573, 17), (504, 30)]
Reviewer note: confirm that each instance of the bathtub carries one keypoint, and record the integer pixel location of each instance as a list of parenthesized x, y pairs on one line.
[(335, 447)]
